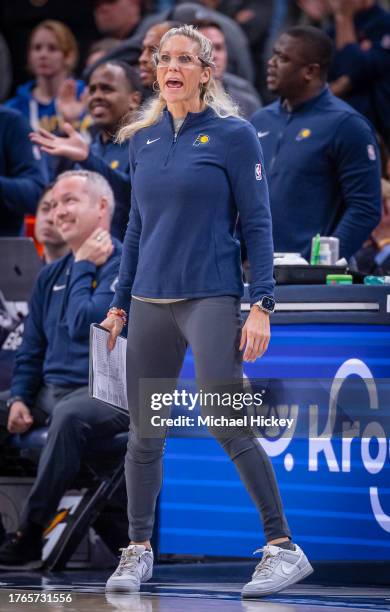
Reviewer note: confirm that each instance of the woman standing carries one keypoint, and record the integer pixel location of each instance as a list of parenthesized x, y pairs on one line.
[(195, 165)]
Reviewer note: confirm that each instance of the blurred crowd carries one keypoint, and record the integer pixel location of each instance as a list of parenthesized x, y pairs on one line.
[(74, 73)]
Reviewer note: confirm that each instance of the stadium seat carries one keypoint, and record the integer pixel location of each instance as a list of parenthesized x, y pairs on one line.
[(97, 486)]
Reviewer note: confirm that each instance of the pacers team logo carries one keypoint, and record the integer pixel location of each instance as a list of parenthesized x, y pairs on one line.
[(202, 139), (303, 134)]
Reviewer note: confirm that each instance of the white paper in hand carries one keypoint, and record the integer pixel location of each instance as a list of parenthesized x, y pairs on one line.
[(107, 369)]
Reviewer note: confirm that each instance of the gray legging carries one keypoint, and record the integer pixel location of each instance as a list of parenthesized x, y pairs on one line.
[(158, 336)]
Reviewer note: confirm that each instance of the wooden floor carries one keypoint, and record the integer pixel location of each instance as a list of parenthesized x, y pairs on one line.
[(83, 591)]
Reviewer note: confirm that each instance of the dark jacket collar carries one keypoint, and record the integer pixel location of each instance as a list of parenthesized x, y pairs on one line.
[(308, 104)]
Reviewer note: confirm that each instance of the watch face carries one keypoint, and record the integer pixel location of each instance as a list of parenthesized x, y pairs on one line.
[(268, 303)]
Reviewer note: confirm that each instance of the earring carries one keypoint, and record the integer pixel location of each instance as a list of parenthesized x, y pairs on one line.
[(156, 87)]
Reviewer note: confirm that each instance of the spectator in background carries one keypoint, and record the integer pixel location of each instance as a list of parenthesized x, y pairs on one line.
[(117, 18), (254, 18), (50, 378), (240, 90), (239, 57), (19, 17), (113, 93), (45, 232), (52, 57), (361, 68), (52, 97), (321, 156), (22, 174), (99, 49), (360, 72)]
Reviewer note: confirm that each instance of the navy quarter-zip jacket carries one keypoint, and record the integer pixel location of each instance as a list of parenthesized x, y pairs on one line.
[(323, 171), (67, 298), (22, 176), (186, 193)]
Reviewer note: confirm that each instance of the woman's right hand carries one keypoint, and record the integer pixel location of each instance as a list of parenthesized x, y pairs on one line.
[(114, 325)]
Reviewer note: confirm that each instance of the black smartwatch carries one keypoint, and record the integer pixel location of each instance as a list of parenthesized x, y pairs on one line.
[(267, 304)]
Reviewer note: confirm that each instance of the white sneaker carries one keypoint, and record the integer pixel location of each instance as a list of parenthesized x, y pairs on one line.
[(135, 566), (278, 569)]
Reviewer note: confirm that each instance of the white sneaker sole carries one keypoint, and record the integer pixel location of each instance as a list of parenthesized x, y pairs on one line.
[(122, 587), (253, 591), (117, 585)]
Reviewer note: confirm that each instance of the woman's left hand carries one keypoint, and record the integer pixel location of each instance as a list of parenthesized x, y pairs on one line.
[(255, 334)]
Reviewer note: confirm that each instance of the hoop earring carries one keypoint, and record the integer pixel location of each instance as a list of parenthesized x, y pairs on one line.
[(156, 87)]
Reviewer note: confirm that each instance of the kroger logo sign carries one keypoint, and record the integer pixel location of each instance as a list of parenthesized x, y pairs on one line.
[(329, 442)]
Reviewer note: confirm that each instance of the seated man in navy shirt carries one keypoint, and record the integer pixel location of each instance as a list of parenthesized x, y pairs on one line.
[(321, 156), (50, 378), (113, 93), (22, 175)]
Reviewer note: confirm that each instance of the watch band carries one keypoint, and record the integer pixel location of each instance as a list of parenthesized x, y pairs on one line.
[(266, 304), (13, 399)]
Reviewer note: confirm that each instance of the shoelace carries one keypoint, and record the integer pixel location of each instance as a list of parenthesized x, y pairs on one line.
[(266, 564), (129, 559)]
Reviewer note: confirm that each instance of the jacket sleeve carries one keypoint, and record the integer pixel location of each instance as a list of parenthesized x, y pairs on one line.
[(21, 188), (129, 261), (121, 186), (356, 158), (245, 169), (119, 181), (28, 368), (90, 292)]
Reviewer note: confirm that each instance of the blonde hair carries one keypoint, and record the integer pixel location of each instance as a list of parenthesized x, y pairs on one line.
[(211, 93), (65, 39)]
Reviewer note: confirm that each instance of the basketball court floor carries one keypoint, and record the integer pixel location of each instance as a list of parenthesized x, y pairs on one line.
[(173, 590)]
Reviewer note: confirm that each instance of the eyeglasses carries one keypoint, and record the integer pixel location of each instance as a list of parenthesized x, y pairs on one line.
[(184, 60)]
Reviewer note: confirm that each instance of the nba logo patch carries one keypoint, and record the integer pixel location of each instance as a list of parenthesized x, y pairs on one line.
[(371, 152), (258, 172)]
